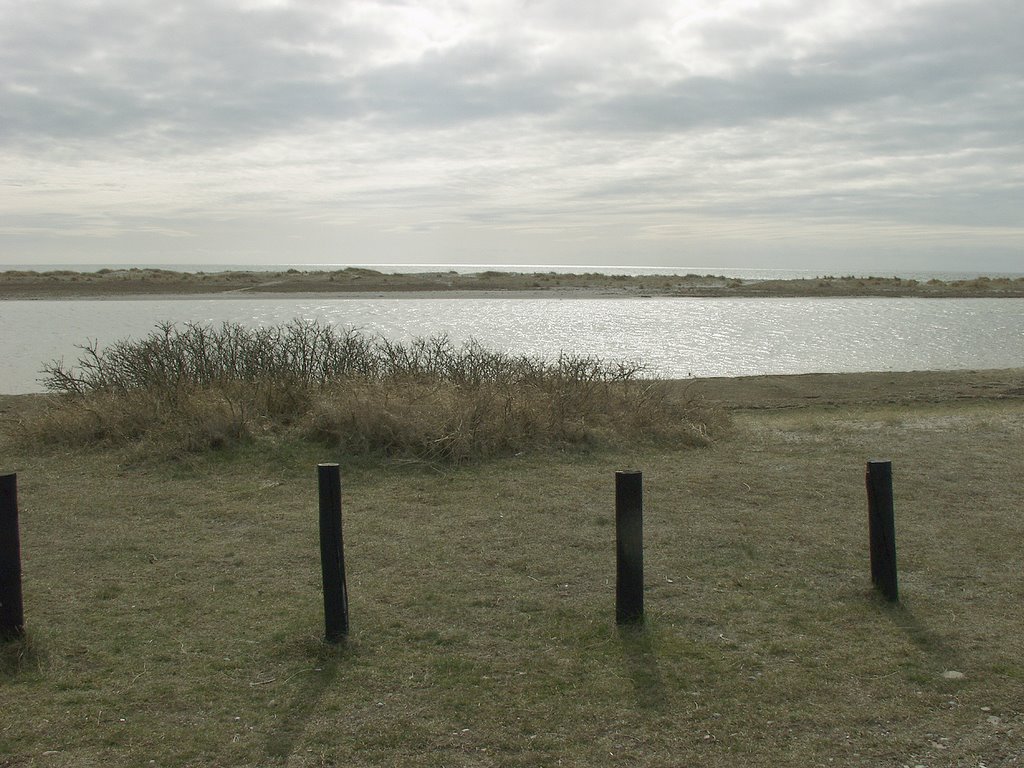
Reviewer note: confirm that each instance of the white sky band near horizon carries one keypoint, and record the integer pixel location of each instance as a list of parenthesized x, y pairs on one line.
[(843, 135)]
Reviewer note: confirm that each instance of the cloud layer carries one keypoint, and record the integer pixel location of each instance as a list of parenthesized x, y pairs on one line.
[(837, 135)]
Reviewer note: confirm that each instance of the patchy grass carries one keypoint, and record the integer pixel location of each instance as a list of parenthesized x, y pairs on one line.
[(174, 614)]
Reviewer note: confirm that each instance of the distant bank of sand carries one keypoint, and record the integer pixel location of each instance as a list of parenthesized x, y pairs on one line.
[(356, 282)]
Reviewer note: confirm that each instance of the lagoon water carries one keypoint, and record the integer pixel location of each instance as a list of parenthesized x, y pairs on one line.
[(675, 337)]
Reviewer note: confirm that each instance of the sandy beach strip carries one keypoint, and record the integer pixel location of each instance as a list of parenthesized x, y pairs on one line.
[(246, 295)]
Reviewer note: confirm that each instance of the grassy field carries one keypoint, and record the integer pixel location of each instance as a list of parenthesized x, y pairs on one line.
[(175, 619), (354, 280)]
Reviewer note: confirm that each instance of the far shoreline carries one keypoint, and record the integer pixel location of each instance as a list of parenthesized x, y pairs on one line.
[(569, 294), (361, 283)]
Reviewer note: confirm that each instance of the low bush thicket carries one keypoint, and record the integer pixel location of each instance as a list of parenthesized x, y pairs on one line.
[(196, 387)]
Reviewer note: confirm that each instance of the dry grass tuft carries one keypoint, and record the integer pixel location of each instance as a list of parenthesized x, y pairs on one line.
[(194, 388)]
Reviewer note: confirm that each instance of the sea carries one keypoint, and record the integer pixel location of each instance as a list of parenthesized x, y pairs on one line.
[(671, 337), (674, 338)]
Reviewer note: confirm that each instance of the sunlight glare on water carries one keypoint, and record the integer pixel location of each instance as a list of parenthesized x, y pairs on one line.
[(676, 338)]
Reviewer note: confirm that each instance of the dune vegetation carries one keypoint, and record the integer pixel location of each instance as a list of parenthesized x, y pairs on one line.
[(195, 387), (27, 284)]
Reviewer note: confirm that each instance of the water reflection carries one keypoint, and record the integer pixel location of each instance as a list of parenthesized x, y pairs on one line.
[(675, 337)]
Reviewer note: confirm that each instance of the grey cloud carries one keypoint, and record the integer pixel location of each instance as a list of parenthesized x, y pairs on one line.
[(937, 59), (694, 102), (601, 16), (206, 73), (197, 72), (467, 83), (211, 71), (560, 115)]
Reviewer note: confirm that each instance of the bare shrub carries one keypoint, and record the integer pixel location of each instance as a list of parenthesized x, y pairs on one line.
[(198, 387)]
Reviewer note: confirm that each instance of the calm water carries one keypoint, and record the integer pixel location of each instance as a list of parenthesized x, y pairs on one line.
[(675, 337)]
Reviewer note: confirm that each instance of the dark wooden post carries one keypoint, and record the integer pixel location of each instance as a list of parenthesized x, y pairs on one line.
[(882, 528), (12, 616), (629, 540), (332, 554)]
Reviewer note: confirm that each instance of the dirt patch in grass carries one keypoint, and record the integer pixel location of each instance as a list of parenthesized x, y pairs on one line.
[(851, 389), (174, 612)]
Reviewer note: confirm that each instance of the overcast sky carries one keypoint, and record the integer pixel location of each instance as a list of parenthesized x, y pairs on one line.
[(845, 136)]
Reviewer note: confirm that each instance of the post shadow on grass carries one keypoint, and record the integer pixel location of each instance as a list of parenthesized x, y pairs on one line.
[(637, 642), (12, 615), (938, 651), (299, 708), (926, 638)]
